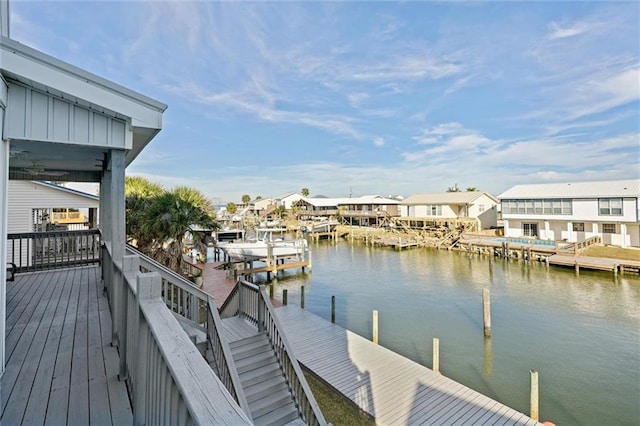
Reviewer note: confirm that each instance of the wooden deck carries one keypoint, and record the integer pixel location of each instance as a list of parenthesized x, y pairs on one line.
[(597, 263), (391, 388), (61, 368)]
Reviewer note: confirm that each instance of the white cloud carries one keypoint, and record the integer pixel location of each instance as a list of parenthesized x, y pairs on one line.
[(558, 31), (378, 141)]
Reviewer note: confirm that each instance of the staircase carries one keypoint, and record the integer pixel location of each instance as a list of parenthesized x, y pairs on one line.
[(264, 385)]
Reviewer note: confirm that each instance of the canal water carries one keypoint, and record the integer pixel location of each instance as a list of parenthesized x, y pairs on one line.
[(581, 333)]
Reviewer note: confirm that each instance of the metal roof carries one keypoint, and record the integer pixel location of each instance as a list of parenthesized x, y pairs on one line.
[(611, 188), (342, 201), (445, 198)]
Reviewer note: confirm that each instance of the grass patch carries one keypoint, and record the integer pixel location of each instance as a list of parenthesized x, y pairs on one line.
[(335, 409), (612, 252)]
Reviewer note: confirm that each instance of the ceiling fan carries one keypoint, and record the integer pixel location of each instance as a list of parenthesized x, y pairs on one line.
[(38, 169)]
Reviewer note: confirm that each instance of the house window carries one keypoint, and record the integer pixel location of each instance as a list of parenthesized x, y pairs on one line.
[(610, 206), (608, 228), (530, 229), (560, 206), (578, 226), (434, 210), (480, 208)]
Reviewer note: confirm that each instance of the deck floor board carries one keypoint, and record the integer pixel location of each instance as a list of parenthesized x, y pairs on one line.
[(61, 368), (391, 388)]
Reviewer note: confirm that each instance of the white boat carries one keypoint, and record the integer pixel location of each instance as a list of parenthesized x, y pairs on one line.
[(265, 245)]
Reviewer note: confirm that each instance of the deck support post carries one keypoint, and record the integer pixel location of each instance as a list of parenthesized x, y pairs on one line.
[(302, 297), (375, 327), (436, 355), (535, 414), (285, 297), (486, 310)]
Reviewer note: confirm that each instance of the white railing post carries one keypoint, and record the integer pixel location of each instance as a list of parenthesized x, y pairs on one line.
[(129, 264), (148, 287)]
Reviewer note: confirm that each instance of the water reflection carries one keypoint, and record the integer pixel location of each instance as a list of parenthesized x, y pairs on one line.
[(580, 332)]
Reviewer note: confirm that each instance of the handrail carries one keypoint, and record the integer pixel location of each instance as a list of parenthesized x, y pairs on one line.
[(181, 295), (268, 322), (36, 251), (205, 312), (225, 366), (166, 375)]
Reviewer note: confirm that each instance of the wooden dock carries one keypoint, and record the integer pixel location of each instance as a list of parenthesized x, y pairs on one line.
[(595, 263), (389, 387)]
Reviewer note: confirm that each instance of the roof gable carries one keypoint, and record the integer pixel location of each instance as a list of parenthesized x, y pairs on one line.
[(446, 198)]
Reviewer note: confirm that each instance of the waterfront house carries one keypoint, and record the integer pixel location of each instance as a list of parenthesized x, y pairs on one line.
[(575, 211), (289, 200), (367, 210), (476, 206)]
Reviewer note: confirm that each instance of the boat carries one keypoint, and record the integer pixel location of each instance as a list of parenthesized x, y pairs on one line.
[(264, 245)]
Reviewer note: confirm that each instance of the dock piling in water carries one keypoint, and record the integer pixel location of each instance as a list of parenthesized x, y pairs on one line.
[(284, 297), (333, 309), (436, 355), (375, 327), (534, 396), (486, 309), (302, 297)]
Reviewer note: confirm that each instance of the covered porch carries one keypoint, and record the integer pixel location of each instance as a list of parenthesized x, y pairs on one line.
[(61, 367)]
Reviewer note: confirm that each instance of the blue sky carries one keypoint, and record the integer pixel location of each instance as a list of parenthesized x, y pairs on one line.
[(383, 98)]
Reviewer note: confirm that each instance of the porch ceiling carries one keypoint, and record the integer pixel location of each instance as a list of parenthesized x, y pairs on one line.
[(33, 160)]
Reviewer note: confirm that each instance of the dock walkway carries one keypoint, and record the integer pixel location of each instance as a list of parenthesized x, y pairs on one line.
[(391, 388)]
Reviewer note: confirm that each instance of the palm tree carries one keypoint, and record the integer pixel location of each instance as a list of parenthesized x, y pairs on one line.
[(139, 193), (231, 207), (246, 198), (305, 192), (171, 216)]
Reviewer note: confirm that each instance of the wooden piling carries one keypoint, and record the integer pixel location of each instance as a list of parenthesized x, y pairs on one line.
[(284, 297), (436, 355), (271, 289), (486, 310), (333, 309), (577, 266), (535, 414), (375, 327), (302, 297)]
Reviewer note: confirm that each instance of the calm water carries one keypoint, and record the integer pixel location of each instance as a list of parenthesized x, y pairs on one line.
[(582, 334)]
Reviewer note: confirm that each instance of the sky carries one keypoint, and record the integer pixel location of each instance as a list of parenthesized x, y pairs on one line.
[(390, 98)]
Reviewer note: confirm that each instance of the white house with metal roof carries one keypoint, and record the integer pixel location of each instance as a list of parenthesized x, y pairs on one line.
[(574, 211), (470, 204)]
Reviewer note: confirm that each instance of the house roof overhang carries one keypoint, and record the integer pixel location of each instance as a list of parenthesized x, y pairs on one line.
[(31, 68)]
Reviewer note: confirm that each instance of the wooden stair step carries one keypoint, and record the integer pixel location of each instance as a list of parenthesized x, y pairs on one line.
[(260, 374), (255, 361), (260, 390), (270, 403), (280, 416), (247, 340), (251, 349)]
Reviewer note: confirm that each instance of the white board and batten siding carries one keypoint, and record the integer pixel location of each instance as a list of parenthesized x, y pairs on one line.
[(65, 122), (25, 195)]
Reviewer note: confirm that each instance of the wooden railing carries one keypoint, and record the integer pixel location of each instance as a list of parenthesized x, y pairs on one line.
[(168, 379), (35, 251), (251, 302), (223, 361), (183, 298), (597, 239)]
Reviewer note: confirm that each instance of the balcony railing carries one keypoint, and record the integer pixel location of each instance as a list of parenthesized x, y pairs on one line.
[(33, 251)]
